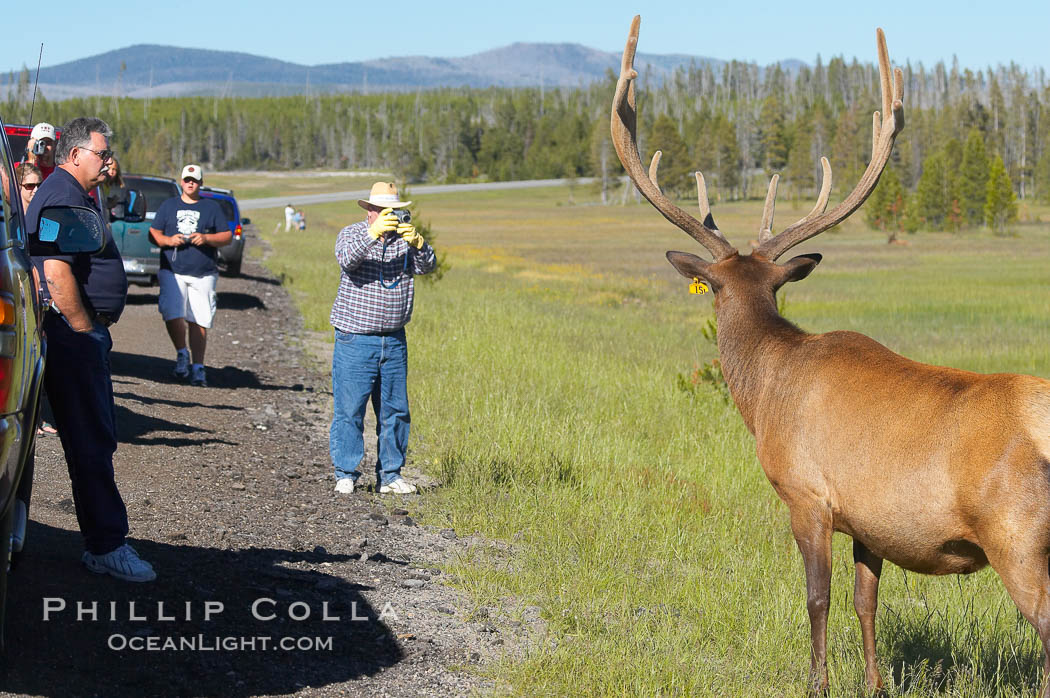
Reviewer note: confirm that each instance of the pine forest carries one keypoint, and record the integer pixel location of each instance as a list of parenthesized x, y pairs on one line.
[(976, 145)]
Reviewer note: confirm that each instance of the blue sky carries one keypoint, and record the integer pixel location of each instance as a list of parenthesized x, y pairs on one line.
[(313, 32)]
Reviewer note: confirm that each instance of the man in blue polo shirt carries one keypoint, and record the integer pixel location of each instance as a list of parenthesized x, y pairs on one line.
[(189, 230), (85, 294)]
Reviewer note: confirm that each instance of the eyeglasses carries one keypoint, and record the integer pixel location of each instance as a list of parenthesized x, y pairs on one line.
[(103, 155), (187, 180), (30, 185)]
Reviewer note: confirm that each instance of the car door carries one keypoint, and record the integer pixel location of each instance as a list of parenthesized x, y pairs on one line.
[(21, 349)]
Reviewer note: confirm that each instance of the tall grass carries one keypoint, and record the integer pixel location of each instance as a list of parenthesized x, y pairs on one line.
[(543, 381)]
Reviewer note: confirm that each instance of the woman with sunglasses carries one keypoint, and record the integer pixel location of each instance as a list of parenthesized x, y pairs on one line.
[(29, 178)]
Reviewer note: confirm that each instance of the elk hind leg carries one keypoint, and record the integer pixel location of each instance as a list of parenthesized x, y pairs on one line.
[(1027, 580), (868, 567), (812, 529)]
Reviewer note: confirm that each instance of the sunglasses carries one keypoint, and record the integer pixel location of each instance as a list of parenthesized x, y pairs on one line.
[(187, 180), (30, 185), (103, 155)]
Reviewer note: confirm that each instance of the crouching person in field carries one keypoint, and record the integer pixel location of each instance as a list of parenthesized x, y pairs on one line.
[(379, 257)]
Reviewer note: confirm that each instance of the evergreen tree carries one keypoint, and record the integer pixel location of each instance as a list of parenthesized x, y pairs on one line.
[(1000, 205), (730, 163), (973, 179), (884, 209), (1042, 177), (850, 149), (935, 197), (773, 141), (676, 168), (798, 173)]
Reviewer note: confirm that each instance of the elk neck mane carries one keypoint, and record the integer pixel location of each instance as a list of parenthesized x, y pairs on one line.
[(754, 342)]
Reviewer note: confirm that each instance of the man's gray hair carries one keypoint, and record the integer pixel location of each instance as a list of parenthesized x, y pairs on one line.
[(77, 134)]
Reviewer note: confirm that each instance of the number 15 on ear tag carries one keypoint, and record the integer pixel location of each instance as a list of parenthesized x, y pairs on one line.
[(698, 287)]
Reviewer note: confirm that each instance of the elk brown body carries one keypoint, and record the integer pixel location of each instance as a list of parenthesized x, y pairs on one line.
[(938, 470)]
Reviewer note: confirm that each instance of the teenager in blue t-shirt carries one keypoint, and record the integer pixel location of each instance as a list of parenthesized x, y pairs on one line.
[(189, 230)]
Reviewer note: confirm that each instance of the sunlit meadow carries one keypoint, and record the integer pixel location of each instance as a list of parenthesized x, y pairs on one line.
[(552, 395)]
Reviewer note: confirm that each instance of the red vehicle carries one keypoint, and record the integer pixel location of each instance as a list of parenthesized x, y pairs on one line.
[(18, 138)]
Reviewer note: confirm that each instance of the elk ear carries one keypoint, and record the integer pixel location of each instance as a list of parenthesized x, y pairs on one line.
[(690, 266), (798, 268)]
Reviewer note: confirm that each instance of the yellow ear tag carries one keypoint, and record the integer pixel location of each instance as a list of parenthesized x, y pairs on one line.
[(698, 287)]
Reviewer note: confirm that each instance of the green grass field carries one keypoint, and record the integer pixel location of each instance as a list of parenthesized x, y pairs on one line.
[(545, 397), (258, 185)]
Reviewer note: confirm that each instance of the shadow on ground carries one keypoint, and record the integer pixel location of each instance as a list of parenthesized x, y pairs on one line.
[(158, 370), (63, 656), (226, 300), (257, 279), (134, 428), (927, 656)]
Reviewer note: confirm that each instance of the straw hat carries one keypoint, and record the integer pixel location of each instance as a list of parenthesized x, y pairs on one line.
[(383, 195)]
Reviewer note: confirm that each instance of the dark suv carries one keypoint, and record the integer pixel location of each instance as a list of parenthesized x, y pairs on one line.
[(229, 255)]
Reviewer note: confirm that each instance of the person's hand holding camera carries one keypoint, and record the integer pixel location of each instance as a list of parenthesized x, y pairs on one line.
[(385, 222), (408, 233)]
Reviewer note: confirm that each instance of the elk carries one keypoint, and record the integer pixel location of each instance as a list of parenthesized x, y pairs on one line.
[(957, 478)]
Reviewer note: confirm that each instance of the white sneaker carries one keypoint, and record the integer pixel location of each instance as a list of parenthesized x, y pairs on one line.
[(398, 486), (345, 485), (182, 364), (18, 530), (123, 563)]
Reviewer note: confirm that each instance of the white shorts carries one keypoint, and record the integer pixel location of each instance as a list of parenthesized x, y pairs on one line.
[(189, 297)]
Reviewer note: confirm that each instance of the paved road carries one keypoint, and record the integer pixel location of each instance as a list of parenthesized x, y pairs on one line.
[(278, 201)]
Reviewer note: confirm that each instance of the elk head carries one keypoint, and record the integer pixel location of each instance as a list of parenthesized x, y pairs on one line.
[(758, 272)]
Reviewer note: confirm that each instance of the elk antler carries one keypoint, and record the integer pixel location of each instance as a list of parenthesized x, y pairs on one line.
[(624, 123), (883, 132)]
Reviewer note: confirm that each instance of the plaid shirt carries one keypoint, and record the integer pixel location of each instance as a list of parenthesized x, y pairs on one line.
[(364, 304)]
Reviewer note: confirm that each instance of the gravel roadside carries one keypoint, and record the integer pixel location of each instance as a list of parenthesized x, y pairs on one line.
[(229, 494)]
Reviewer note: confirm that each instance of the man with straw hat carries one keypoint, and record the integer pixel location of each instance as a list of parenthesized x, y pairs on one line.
[(379, 257)]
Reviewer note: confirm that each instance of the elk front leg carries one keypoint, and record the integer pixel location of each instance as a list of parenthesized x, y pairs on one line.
[(812, 529), (865, 601)]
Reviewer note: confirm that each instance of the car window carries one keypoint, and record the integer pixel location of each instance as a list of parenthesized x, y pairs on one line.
[(227, 208), (18, 145), (156, 191), (11, 197)]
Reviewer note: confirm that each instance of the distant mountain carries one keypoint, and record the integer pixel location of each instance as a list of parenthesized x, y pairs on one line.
[(166, 71)]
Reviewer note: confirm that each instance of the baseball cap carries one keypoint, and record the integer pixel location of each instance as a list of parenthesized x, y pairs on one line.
[(193, 172), (43, 130)]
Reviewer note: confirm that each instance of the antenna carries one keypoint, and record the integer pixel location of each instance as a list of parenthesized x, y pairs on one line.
[(36, 83), (32, 106)]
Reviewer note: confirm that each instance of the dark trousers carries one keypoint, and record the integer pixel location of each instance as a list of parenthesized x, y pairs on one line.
[(80, 390)]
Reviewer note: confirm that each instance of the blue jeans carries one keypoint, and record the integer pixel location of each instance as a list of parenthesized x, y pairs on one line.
[(77, 379), (369, 366)]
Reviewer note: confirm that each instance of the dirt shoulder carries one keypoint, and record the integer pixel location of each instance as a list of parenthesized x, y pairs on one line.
[(229, 494)]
